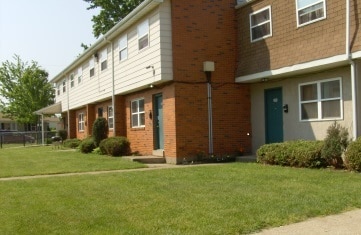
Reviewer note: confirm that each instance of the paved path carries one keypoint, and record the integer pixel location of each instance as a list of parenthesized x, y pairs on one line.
[(348, 223)]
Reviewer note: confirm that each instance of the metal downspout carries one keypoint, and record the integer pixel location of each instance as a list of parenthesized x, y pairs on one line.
[(353, 73), (113, 88)]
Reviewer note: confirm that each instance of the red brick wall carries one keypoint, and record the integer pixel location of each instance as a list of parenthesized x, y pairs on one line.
[(142, 138), (206, 31), (290, 45)]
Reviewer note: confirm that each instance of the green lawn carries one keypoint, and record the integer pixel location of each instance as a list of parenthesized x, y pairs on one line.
[(47, 160), (213, 199)]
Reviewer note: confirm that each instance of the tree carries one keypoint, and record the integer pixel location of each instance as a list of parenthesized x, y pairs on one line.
[(112, 11), (25, 89)]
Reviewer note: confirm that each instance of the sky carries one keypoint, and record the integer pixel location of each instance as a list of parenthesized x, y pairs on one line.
[(49, 32)]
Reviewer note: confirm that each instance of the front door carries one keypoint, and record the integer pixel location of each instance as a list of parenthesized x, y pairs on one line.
[(274, 115), (158, 122)]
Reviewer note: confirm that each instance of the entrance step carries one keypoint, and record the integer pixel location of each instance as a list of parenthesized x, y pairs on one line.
[(158, 152), (147, 159), (246, 159)]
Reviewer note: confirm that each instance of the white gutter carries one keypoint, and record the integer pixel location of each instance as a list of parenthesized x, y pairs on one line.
[(353, 73)]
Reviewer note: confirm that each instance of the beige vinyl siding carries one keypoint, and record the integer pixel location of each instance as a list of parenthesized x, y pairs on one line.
[(130, 74)]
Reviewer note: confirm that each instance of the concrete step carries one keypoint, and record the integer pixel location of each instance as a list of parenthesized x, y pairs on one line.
[(147, 159), (246, 159)]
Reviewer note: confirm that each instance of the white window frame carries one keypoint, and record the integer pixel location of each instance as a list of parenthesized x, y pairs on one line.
[(91, 67), (64, 86), (104, 59), (314, 3), (72, 80), (123, 48), (80, 74), (319, 100), (251, 26), (138, 114), (110, 117), (58, 89), (81, 122), (143, 33)]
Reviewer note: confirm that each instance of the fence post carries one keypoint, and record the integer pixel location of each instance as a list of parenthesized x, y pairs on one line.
[(1, 141)]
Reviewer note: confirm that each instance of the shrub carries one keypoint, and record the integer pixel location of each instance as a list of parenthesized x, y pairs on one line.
[(100, 130), (72, 143), (336, 143), (87, 145), (63, 134), (353, 156), (115, 146), (97, 151), (299, 153)]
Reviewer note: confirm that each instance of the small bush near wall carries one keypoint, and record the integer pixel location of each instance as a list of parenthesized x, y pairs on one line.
[(63, 134), (115, 146), (353, 156), (299, 153), (87, 145), (336, 142), (100, 130), (72, 143)]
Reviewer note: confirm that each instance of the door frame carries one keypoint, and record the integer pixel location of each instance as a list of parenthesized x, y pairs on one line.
[(158, 133), (279, 108)]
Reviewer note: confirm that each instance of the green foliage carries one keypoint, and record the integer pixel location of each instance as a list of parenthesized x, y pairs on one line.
[(336, 142), (100, 130), (353, 156), (63, 134), (115, 146), (25, 88), (87, 145), (299, 153), (71, 143), (111, 12), (97, 151)]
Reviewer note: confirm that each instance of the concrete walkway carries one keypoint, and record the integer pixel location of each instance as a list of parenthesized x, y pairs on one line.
[(348, 223)]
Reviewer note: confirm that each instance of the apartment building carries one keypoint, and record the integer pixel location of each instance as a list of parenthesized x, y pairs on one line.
[(302, 59), (164, 77), (179, 78)]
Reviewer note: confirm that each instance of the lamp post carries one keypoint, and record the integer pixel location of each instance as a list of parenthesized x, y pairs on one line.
[(208, 68)]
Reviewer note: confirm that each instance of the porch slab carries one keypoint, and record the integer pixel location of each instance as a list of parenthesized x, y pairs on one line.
[(147, 159), (250, 158)]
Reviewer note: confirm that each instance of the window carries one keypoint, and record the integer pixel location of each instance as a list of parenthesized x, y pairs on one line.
[(123, 48), (321, 100), (138, 114), (110, 117), (143, 32), (58, 89), (64, 86), (309, 11), (81, 122), (260, 24), (91, 67), (80, 74), (72, 80), (103, 59)]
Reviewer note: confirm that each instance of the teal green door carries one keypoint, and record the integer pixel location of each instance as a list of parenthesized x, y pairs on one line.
[(274, 115), (158, 122)]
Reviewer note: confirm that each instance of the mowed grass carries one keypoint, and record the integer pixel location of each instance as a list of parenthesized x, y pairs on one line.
[(26, 161), (207, 199)]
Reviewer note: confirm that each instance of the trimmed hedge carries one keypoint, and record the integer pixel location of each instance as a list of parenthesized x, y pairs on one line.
[(298, 153), (353, 156), (87, 145), (115, 146), (72, 143)]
